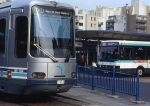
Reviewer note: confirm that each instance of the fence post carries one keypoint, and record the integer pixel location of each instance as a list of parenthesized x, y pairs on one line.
[(93, 69), (137, 87), (76, 82), (113, 83)]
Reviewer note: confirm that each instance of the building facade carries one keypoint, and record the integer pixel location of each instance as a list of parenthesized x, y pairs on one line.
[(1, 1), (117, 23), (133, 18), (137, 23), (92, 22), (80, 19), (129, 23), (138, 7), (94, 19)]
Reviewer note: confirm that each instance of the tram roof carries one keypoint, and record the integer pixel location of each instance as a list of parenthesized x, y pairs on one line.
[(22, 3), (111, 35)]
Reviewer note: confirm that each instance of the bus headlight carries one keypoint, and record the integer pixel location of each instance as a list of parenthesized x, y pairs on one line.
[(39, 75), (73, 74)]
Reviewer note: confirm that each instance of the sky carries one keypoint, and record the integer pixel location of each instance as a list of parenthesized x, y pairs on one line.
[(91, 4)]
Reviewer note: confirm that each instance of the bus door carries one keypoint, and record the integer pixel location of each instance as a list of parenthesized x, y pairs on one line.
[(148, 58)]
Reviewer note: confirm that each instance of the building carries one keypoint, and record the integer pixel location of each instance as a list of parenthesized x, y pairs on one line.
[(128, 23), (1, 1), (102, 23), (87, 21), (117, 23), (80, 19), (138, 7), (137, 23), (134, 18), (94, 19), (92, 22)]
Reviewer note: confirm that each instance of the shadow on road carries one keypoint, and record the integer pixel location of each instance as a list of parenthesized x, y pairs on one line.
[(26, 99)]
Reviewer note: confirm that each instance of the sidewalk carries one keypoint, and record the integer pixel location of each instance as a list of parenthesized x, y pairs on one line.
[(97, 98)]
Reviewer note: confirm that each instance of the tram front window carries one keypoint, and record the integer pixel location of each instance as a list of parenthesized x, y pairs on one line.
[(52, 30)]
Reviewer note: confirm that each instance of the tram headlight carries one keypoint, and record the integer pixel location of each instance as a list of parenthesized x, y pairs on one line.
[(73, 74), (38, 75)]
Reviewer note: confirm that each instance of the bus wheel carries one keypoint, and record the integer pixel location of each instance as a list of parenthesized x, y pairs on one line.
[(140, 71)]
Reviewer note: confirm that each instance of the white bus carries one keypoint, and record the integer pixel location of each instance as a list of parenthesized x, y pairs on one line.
[(126, 56)]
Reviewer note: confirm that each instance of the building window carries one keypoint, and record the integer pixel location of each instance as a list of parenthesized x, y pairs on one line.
[(94, 18), (2, 35), (81, 17), (80, 24), (91, 25), (94, 25), (21, 32)]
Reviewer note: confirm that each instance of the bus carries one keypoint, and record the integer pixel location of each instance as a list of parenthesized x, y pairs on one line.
[(37, 47), (126, 56)]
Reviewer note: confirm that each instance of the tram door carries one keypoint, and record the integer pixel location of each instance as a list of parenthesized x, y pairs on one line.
[(3, 38), (18, 40)]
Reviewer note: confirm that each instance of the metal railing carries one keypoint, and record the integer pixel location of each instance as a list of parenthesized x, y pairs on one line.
[(109, 80)]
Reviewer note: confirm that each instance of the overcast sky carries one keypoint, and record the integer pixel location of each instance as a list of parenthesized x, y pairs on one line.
[(91, 4)]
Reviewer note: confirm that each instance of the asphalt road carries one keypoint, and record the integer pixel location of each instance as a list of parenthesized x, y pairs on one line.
[(55, 100), (145, 88)]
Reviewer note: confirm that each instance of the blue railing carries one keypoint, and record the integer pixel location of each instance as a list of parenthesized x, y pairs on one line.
[(109, 80)]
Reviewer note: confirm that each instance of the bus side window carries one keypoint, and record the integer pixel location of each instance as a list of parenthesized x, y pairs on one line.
[(148, 53), (21, 31), (126, 53), (2, 35), (122, 53), (139, 53)]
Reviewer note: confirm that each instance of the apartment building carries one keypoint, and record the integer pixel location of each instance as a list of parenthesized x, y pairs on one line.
[(80, 20), (138, 7), (94, 19), (92, 22), (1, 1), (86, 21), (117, 23), (137, 23), (133, 18), (129, 23)]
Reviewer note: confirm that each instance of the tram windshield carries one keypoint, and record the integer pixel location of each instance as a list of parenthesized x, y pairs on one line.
[(52, 29)]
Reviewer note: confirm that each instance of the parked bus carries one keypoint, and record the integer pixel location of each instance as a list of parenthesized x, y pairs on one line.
[(37, 47), (127, 56)]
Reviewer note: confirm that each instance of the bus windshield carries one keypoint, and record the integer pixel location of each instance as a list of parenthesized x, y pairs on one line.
[(108, 53), (52, 30)]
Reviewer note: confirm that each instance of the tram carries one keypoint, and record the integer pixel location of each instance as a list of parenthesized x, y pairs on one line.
[(37, 47)]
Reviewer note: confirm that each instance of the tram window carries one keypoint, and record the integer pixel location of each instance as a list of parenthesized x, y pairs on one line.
[(2, 35), (21, 31)]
